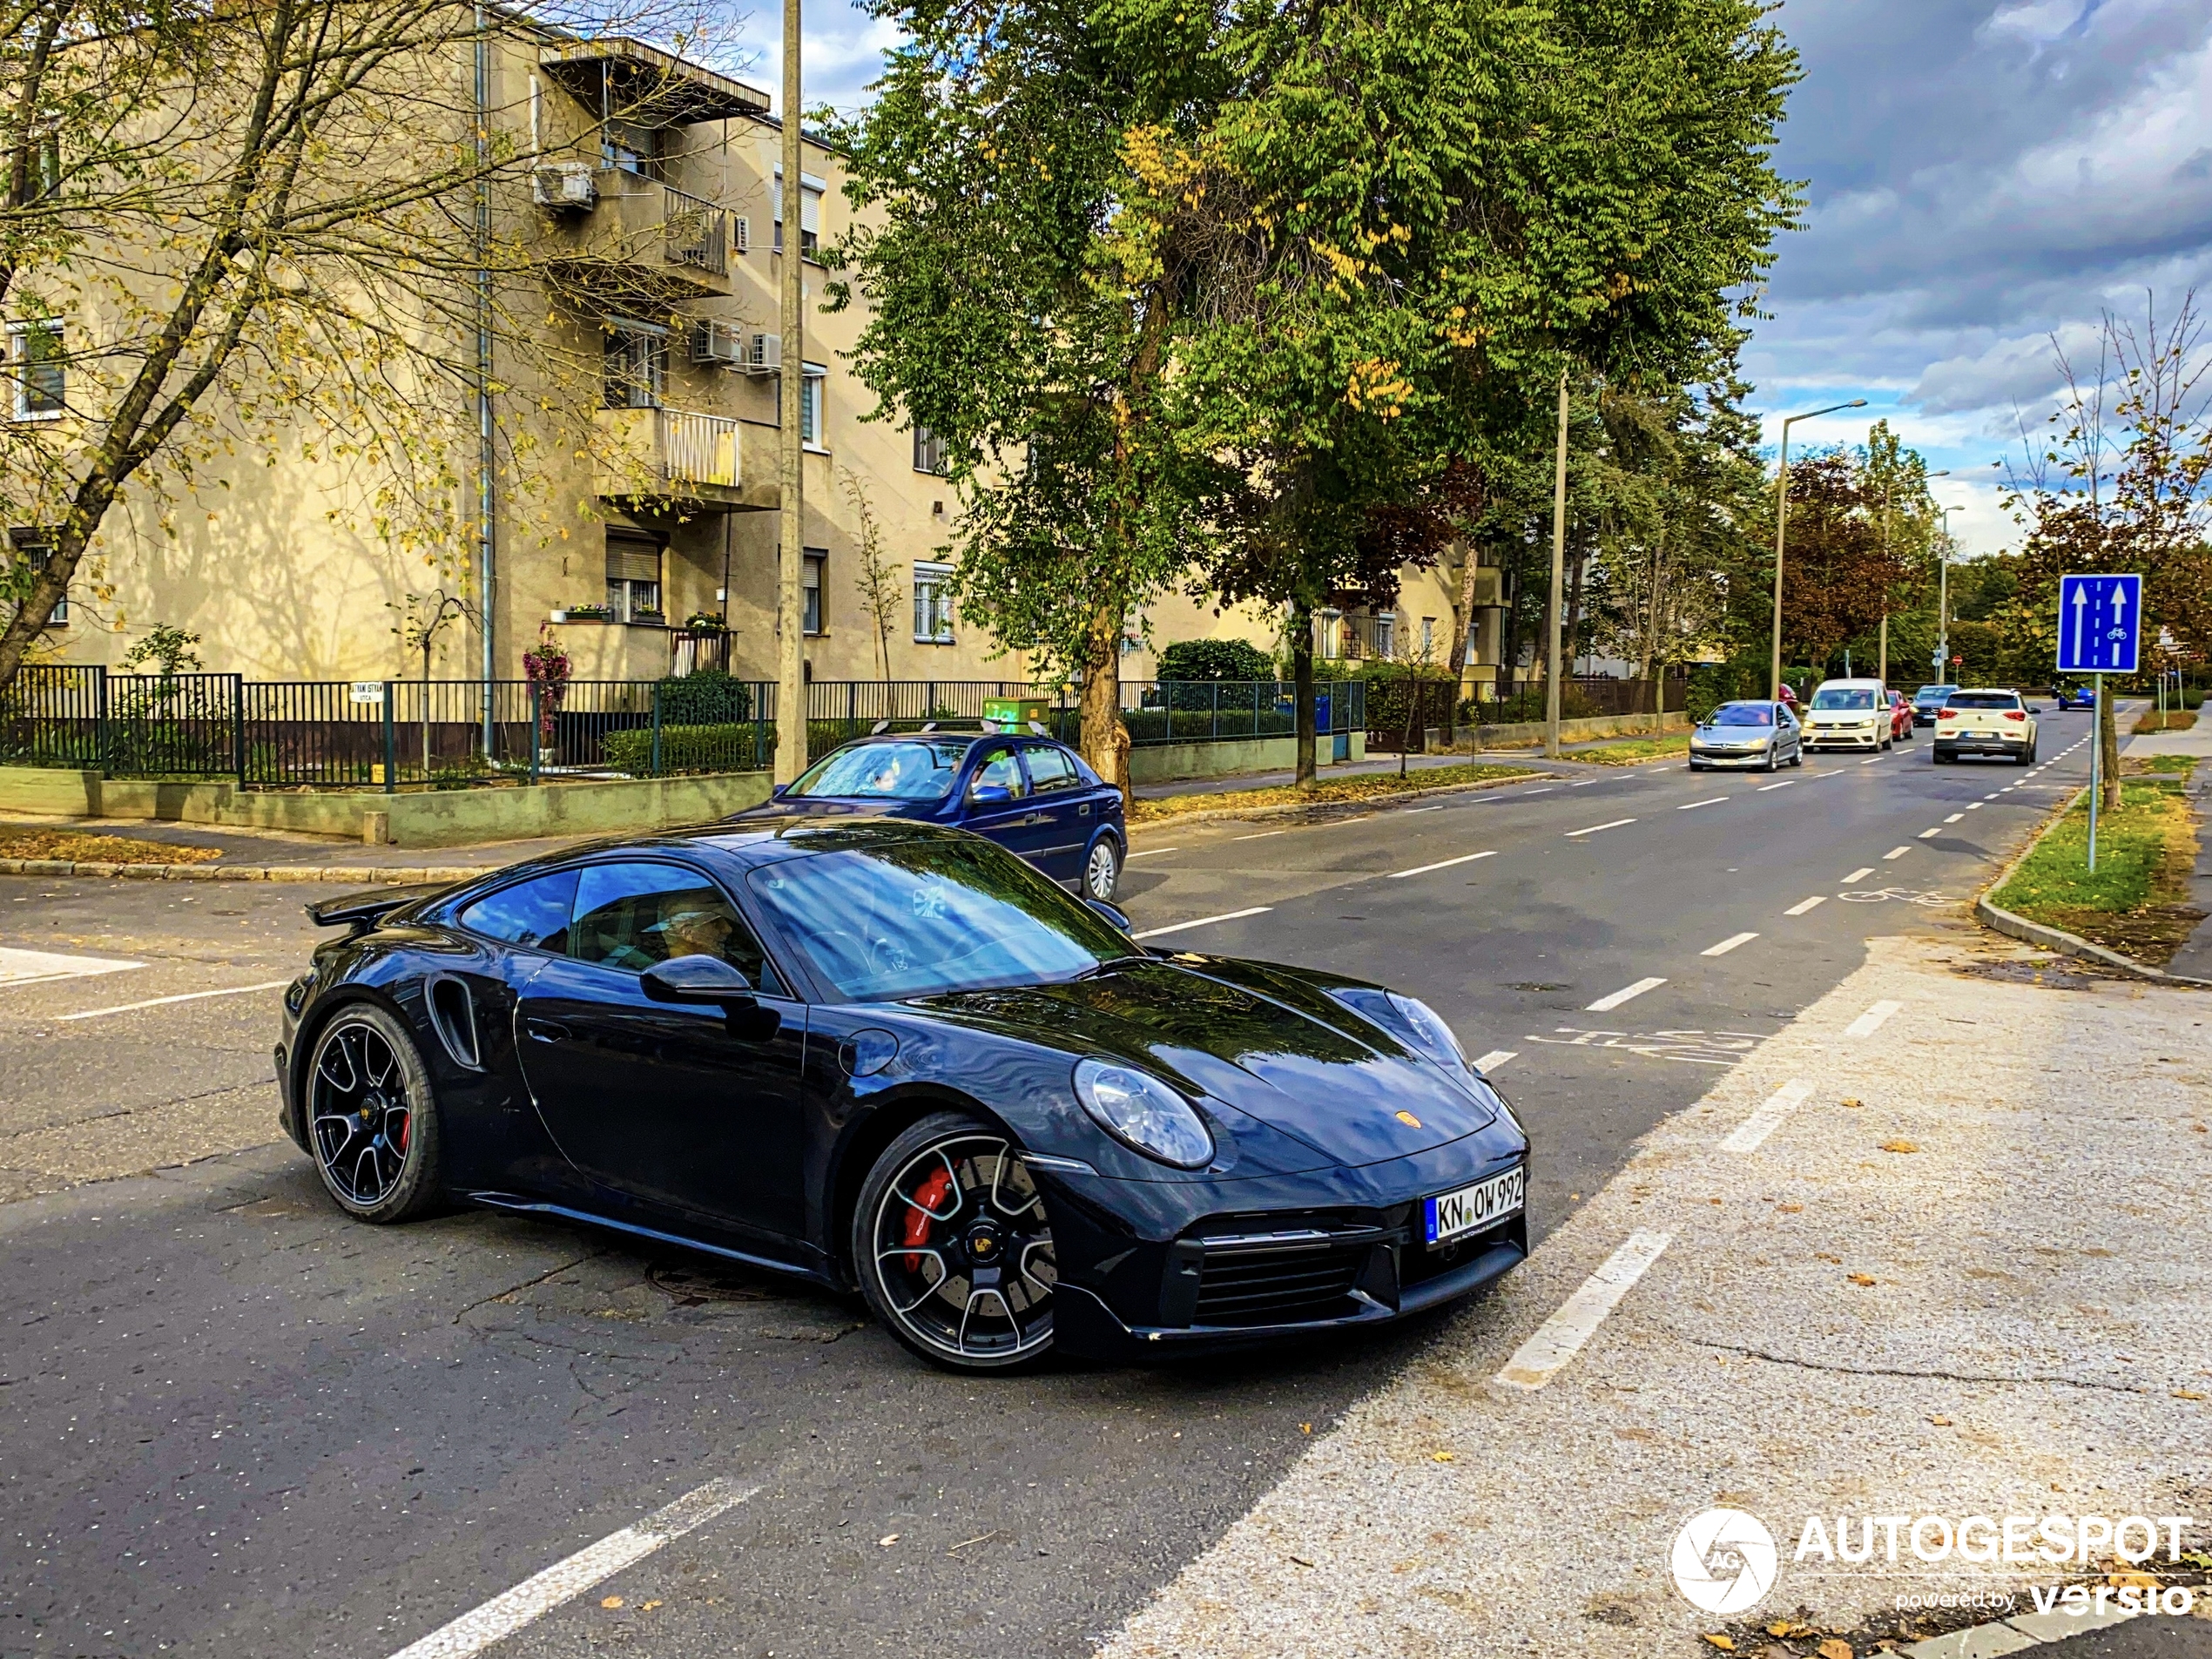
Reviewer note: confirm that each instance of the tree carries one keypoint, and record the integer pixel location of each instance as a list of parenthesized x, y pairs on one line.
[(422, 617), (873, 575), (2123, 483)]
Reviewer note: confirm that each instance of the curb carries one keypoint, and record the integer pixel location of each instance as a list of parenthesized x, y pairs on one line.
[(1220, 813), (2057, 939), (2011, 1634), (371, 876)]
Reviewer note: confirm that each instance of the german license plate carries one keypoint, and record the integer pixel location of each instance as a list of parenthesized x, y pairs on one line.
[(1453, 1215)]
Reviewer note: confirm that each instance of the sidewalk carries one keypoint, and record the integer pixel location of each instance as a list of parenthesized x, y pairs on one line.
[(277, 850), (1386, 763), (1964, 1277)]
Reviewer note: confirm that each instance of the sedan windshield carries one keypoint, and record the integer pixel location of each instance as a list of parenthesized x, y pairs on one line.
[(919, 771), (1743, 714), (917, 918), (1935, 693), (1843, 697)]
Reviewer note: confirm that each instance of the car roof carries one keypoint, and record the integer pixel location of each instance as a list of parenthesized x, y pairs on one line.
[(1843, 680)]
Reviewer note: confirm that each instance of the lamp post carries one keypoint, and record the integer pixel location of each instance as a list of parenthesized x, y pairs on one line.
[(1782, 521), (790, 663), (1886, 474), (1943, 592)]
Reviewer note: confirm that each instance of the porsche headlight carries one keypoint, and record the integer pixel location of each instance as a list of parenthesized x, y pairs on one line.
[(1141, 1111)]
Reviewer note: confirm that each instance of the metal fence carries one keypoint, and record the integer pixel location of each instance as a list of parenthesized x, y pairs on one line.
[(391, 734), (1583, 697)]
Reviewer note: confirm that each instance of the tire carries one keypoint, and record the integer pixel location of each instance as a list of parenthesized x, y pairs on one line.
[(1938, 757), (2028, 757), (377, 1150), (1773, 765), (1102, 869), (933, 1197), (1798, 756)]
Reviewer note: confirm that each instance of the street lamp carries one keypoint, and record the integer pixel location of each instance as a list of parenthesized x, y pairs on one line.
[(1884, 675), (1781, 519), (1943, 591)]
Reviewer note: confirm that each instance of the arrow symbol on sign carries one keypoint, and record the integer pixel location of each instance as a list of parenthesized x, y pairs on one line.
[(2080, 602)]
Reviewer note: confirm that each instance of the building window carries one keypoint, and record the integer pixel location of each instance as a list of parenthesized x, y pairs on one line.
[(39, 372), (631, 148), (1386, 636), (633, 577), (1428, 639), (811, 590), (810, 405), (929, 452), (809, 214), (933, 604), (32, 548), (637, 365), (1331, 631)]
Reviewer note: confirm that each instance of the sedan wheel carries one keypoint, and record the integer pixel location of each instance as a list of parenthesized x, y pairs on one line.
[(1103, 870), (952, 1247), (371, 1117)]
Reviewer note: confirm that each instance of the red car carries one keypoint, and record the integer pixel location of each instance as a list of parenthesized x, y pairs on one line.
[(1901, 721)]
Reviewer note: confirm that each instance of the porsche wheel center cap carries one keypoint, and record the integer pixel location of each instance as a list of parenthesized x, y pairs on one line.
[(983, 1244)]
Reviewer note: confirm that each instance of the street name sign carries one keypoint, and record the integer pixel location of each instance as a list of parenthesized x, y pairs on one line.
[(2100, 624)]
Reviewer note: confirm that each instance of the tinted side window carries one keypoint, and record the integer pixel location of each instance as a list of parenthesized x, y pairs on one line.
[(629, 916), (1049, 769), (1002, 767), (533, 912)]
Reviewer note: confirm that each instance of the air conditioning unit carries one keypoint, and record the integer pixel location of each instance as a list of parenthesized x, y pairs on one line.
[(718, 343), (564, 186), (764, 354)]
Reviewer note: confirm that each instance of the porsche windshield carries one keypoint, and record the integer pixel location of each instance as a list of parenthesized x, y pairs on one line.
[(918, 918), (921, 770)]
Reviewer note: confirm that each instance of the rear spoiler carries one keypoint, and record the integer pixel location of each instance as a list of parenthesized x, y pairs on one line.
[(361, 911)]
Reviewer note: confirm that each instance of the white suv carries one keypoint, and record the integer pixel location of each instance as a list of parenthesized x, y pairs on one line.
[(1849, 714), (1986, 722)]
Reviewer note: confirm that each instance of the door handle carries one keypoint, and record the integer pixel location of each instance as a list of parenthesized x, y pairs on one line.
[(548, 1030)]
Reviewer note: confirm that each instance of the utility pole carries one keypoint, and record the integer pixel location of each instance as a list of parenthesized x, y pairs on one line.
[(1943, 597), (1887, 472), (1559, 576), (791, 566)]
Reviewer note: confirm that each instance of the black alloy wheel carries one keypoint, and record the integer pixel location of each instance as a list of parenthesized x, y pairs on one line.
[(371, 1116), (952, 1247), (1102, 869)]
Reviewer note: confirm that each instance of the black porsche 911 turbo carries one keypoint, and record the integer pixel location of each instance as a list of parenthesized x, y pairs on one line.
[(890, 1056)]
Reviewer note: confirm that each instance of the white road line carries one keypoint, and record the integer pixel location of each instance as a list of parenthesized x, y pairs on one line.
[(1204, 921), (1495, 1058), (1594, 828), (1803, 905), (1585, 783), (1955, 817), (1784, 784), (1262, 836), (1870, 1021), (1896, 853), (1407, 812), (1972, 806), (564, 1581), (1691, 807), (1441, 863), (1859, 874), (1605, 1003), (163, 1001), (1875, 761), (1932, 831), (1545, 789), (1762, 1123), (1154, 852), (1560, 1337), (30, 967), (1992, 794), (1728, 944)]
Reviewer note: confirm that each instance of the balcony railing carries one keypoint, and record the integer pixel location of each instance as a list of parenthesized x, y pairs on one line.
[(698, 232), (699, 449)]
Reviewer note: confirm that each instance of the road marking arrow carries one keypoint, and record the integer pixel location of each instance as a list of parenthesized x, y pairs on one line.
[(2080, 601)]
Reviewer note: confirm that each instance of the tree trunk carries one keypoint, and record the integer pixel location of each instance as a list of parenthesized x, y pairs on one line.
[(1100, 710), (1568, 640), (2109, 746), (1302, 686)]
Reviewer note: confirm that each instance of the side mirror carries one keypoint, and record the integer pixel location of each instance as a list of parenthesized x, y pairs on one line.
[(989, 794), (696, 979), (1111, 914), (776, 793)]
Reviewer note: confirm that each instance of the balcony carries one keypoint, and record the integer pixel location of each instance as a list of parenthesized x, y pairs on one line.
[(641, 238), (678, 455)]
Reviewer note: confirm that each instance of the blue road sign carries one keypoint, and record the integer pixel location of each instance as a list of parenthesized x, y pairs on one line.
[(2100, 623)]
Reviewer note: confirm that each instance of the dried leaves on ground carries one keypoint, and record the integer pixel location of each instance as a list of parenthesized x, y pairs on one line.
[(1372, 786), (101, 849)]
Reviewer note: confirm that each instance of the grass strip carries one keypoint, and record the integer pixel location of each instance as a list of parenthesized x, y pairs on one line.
[(2172, 720), (101, 849), (1633, 753), (1368, 786), (2134, 903)]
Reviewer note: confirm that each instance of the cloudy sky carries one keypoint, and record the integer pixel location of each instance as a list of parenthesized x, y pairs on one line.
[(1982, 175)]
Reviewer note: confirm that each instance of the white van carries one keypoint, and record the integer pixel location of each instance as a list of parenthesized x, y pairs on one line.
[(1849, 714)]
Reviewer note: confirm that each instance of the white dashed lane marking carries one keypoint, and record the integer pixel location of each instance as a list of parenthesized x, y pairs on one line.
[(1932, 831), (1859, 874), (1205, 921), (1154, 852), (1803, 905), (1764, 1121), (564, 1581), (30, 967), (1897, 852), (1594, 828), (1262, 836), (1955, 817), (183, 996), (1495, 1058), (1441, 863), (1728, 944), (1870, 1021), (1692, 805), (1784, 784), (1605, 1003), (1560, 1337)]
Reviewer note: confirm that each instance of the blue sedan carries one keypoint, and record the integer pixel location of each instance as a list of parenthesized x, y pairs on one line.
[(1035, 797)]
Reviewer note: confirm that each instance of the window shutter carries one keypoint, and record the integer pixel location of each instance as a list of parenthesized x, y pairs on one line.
[(632, 558), (810, 211)]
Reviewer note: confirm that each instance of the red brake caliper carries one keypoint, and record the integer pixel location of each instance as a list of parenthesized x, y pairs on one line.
[(927, 1197)]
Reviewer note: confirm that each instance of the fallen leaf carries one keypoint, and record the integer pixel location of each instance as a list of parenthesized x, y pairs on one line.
[(1712, 1201), (1788, 1628), (611, 1601), (1726, 1644), (2186, 1393), (1835, 1647), (1940, 1421), (1899, 1146), (1862, 1278), (1788, 1209), (1853, 1100), (2132, 1580), (888, 1540), (1305, 1428), (1442, 1457), (647, 1607), (1823, 1255)]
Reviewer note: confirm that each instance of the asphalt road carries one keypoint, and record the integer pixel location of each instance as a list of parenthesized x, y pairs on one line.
[(238, 1425)]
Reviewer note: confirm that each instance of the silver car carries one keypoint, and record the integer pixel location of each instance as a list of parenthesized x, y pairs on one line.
[(1761, 736)]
